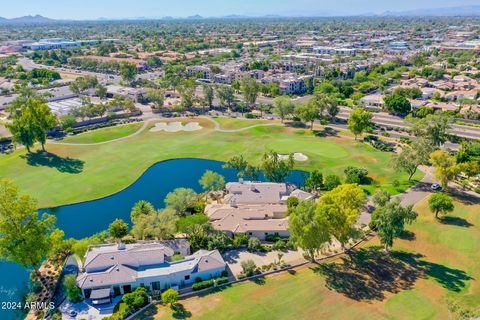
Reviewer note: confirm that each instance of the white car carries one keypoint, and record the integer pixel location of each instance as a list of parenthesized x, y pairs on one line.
[(436, 187)]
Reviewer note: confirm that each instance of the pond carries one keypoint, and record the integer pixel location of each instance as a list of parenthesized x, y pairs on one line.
[(84, 219)]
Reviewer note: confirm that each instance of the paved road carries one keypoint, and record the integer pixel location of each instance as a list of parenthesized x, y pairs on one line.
[(419, 191), (385, 119)]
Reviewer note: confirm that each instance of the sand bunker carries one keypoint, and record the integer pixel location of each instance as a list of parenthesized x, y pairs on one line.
[(175, 127), (297, 156)]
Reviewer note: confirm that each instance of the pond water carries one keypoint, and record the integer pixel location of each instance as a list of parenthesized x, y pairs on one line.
[(84, 219)]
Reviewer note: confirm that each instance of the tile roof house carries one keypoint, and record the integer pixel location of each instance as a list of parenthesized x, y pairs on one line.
[(247, 192), (257, 209), (118, 269), (255, 220)]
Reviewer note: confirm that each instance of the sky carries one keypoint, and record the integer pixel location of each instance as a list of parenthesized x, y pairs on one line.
[(93, 9)]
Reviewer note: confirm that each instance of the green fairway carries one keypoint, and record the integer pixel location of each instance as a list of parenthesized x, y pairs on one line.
[(234, 123), (420, 280), (74, 173), (106, 134)]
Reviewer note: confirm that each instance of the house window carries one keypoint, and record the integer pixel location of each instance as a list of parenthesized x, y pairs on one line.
[(155, 285), (187, 277)]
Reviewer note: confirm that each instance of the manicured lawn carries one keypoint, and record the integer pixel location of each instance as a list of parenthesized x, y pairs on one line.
[(423, 275), (74, 173), (105, 134), (233, 123)]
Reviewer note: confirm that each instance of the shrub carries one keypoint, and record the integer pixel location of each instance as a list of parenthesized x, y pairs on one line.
[(240, 240), (280, 245), (203, 285), (254, 244), (36, 286), (177, 257), (405, 140), (224, 273), (273, 238), (136, 299), (221, 280), (170, 297), (248, 267), (74, 293), (292, 202)]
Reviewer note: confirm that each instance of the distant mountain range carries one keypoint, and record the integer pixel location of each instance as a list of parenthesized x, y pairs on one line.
[(449, 11), (27, 19)]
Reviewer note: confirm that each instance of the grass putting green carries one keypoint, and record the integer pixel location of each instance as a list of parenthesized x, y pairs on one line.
[(417, 281), (105, 134), (75, 173)]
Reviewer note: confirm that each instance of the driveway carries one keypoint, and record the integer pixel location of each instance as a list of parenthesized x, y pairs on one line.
[(234, 258), (85, 310)]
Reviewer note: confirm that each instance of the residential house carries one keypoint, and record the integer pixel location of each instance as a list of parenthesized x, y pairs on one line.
[(254, 220), (257, 209), (461, 94), (112, 270), (373, 101)]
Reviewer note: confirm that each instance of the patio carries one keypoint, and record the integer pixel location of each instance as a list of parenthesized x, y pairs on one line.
[(234, 258), (86, 310)]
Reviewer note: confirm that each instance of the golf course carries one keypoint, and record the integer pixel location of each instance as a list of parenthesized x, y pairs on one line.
[(75, 170), (430, 274)]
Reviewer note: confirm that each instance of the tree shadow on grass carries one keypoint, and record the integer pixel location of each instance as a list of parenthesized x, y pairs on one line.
[(47, 159), (179, 311), (464, 198), (455, 221), (368, 273), (407, 235), (326, 132), (259, 281), (149, 313)]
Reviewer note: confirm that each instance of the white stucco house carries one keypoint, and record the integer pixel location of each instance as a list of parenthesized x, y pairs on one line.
[(112, 270)]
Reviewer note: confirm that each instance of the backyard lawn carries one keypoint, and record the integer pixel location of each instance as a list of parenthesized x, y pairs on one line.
[(75, 173), (434, 268), (105, 134)]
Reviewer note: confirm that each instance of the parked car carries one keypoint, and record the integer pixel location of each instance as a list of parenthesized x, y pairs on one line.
[(436, 187)]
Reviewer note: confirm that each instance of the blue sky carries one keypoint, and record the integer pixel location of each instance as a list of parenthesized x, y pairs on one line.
[(91, 9)]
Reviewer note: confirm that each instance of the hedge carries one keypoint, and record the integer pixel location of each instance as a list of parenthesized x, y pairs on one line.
[(202, 285), (221, 280)]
